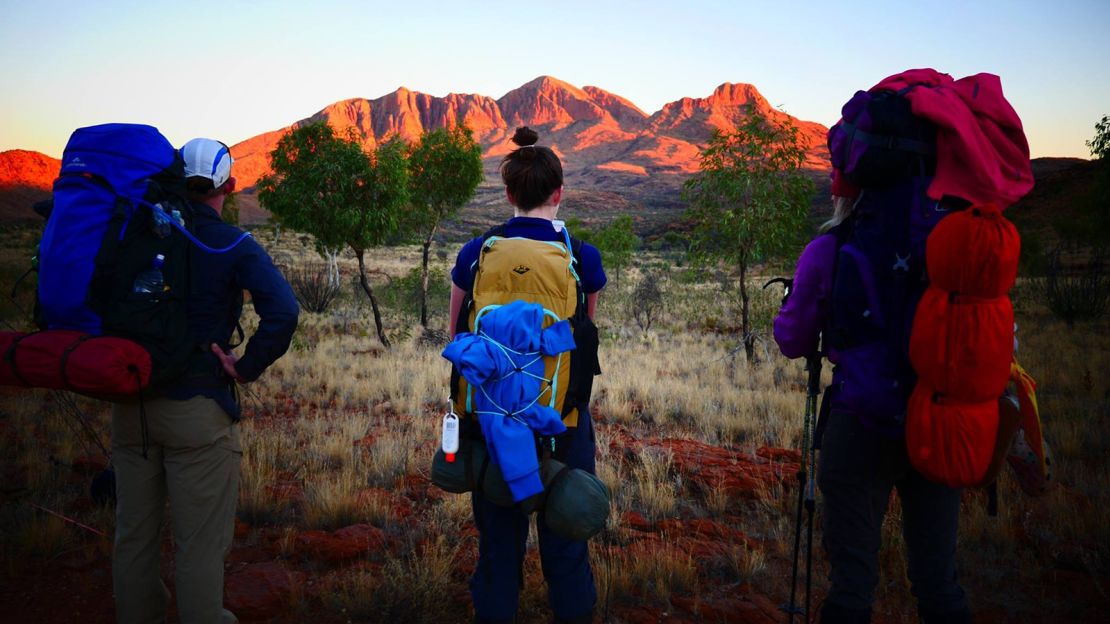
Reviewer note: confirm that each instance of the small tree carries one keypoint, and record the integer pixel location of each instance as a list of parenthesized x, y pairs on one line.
[(749, 200), (616, 242), (445, 167), (1100, 144), (328, 187)]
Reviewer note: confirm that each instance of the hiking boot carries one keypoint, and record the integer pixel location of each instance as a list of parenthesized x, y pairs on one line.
[(959, 616), (832, 613)]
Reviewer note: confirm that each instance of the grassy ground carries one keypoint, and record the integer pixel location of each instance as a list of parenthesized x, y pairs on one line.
[(340, 432)]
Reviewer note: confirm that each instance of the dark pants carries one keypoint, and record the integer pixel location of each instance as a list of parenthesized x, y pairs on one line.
[(857, 470), (502, 536)]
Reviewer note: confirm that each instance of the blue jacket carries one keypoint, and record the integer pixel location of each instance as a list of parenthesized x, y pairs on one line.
[(217, 282), (503, 362)]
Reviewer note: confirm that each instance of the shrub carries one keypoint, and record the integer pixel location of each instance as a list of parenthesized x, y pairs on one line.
[(647, 301), (312, 287), (403, 293), (1078, 290)]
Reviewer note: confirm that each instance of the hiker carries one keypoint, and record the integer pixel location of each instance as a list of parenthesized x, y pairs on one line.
[(910, 151), (189, 433), (533, 177), (858, 467)]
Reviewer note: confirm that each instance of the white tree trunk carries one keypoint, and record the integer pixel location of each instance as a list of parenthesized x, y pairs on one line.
[(332, 258)]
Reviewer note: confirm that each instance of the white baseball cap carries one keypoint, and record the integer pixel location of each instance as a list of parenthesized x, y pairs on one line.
[(207, 158)]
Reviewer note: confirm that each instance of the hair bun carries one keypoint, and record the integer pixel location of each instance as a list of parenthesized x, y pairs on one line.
[(525, 136)]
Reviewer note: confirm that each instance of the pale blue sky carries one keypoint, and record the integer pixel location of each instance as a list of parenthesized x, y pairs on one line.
[(232, 70)]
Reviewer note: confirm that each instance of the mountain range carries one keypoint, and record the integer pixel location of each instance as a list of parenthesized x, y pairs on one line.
[(606, 142)]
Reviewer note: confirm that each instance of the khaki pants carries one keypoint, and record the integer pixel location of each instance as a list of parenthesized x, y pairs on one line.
[(193, 458)]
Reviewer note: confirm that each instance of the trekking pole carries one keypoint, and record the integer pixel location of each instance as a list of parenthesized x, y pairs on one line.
[(813, 364), (806, 493), (804, 483)]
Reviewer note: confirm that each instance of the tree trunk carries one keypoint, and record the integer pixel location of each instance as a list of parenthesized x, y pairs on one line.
[(331, 256), (424, 277), (373, 300), (745, 320)]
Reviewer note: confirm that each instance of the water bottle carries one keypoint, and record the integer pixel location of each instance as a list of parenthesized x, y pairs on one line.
[(160, 221), (450, 443), (150, 281)]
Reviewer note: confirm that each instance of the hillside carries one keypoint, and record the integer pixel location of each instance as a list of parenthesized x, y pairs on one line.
[(25, 178)]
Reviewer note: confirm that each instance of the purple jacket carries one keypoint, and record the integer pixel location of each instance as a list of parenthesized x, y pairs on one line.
[(801, 319)]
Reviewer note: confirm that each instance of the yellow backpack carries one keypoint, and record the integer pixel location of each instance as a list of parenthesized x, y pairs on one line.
[(545, 273)]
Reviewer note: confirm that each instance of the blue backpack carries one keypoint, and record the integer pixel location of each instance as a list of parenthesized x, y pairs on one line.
[(879, 275), (118, 204)]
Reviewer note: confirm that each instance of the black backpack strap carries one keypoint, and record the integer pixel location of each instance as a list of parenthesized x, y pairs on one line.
[(842, 232), (9, 357), (584, 362), (68, 352)]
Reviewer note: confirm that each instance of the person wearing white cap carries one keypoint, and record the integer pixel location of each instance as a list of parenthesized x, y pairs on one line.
[(193, 432)]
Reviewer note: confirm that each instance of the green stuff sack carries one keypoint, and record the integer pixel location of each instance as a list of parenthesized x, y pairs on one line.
[(577, 502), (471, 471)]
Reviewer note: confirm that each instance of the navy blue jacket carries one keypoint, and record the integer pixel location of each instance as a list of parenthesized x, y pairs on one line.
[(217, 282)]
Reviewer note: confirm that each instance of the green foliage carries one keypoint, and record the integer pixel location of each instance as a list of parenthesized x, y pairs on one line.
[(1100, 144), (445, 168), (230, 210), (578, 229), (329, 187), (616, 242), (403, 294), (749, 200)]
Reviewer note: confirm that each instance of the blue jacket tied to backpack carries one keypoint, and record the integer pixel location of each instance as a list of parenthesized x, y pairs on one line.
[(503, 358)]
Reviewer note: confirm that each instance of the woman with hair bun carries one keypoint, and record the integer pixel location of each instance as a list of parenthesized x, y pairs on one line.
[(533, 178)]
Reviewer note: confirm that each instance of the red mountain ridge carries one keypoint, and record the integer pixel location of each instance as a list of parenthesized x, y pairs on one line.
[(606, 142)]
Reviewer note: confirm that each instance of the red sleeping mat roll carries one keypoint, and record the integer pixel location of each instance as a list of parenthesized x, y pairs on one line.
[(949, 442), (72, 360), (961, 346)]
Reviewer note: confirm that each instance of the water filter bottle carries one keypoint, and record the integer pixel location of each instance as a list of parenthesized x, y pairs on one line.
[(150, 280), (450, 442), (160, 221)]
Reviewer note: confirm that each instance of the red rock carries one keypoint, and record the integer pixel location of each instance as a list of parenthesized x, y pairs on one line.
[(779, 454), (400, 506), (242, 529), (732, 609), (261, 590), (357, 540), (712, 468), (636, 520)]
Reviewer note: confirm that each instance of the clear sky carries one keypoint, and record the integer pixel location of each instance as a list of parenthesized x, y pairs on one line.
[(233, 69)]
